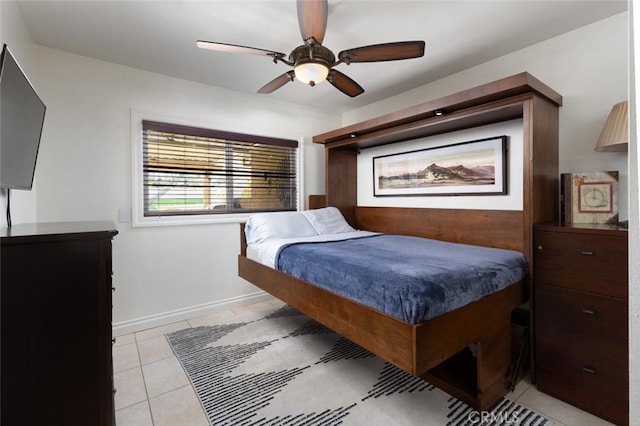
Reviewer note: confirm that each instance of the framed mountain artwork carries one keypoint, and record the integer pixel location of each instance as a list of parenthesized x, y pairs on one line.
[(589, 197), (468, 168)]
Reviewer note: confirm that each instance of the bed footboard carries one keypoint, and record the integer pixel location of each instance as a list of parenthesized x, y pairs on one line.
[(478, 378)]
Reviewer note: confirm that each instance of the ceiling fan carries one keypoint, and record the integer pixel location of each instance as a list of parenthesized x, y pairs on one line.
[(312, 62)]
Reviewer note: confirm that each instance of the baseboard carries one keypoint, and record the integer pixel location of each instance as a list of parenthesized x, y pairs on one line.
[(131, 326)]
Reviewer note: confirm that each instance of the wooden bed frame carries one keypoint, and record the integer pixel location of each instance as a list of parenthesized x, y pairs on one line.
[(437, 350)]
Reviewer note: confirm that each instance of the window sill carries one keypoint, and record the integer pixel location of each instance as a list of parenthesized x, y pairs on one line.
[(145, 222)]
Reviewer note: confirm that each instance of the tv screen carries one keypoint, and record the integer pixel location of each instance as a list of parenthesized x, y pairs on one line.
[(21, 120)]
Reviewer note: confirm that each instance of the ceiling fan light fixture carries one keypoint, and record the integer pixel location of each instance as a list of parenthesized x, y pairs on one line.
[(313, 63), (311, 73)]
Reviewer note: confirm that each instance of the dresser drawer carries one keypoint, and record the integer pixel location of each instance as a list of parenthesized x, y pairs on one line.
[(584, 320), (594, 382), (589, 262)]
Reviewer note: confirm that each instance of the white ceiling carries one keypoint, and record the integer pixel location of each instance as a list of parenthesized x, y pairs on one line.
[(160, 36)]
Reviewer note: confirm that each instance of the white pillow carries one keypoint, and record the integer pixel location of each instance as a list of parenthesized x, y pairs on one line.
[(328, 220), (265, 226)]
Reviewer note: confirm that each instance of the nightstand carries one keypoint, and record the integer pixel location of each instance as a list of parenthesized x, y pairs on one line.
[(581, 317)]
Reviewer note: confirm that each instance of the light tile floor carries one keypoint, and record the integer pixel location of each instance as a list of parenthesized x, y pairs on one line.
[(153, 389)]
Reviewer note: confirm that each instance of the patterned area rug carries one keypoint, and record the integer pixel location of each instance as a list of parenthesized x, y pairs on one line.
[(286, 369)]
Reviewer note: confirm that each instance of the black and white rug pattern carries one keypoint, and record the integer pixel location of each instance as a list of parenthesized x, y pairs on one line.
[(286, 369)]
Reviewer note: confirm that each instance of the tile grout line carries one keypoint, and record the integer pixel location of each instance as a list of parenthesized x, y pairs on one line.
[(144, 381), (126, 370)]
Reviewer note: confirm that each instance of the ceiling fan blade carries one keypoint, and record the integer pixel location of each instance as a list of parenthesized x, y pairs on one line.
[(383, 52), (278, 82), (234, 48), (344, 84), (312, 18)]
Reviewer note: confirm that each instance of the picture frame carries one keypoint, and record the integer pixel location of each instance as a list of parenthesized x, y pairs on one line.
[(589, 197), (477, 167)]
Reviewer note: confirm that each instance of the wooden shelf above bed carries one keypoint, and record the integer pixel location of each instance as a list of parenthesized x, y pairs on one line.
[(520, 96), (494, 102)]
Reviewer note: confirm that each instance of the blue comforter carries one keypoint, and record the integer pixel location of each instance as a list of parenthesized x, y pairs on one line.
[(410, 278)]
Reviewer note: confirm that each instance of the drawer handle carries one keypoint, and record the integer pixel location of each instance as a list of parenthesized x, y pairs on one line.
[(588, 311), (540, 247), (113, 341), (590, 370), (588, 253)]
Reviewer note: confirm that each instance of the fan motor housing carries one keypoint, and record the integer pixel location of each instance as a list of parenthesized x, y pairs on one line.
[(312, 53)]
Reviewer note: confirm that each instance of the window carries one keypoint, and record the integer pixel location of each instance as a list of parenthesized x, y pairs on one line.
[(194, 171)]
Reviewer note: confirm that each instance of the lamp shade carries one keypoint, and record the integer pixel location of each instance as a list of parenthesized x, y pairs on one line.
[(615, 133)]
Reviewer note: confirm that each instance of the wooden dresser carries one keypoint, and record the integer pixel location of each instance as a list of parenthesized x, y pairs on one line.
[(55, 289), (581, 317)]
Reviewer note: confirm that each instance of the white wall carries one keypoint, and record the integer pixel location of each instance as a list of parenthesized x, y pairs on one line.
[(162, 273), (14, 33), (588, 67), (634, 228)]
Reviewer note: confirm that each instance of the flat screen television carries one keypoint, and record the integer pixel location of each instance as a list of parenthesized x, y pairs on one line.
[(21, 120)]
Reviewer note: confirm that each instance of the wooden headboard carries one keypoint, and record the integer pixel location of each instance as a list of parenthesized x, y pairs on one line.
[(489, 228)]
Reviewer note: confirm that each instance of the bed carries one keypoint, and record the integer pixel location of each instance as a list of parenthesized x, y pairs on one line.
[(437, 349), (413, 279), (433, 333)]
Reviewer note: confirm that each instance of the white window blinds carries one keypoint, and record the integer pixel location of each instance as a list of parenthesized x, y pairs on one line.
[(188, 170)]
